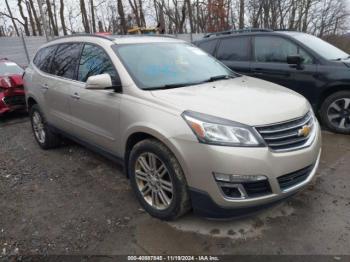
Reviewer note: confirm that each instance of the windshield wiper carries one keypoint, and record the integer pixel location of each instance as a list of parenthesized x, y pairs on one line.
[(219, 77), (339, 59), (169, 86), (178, 85)]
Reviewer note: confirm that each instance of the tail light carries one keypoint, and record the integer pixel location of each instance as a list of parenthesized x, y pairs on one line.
[(6, 83)]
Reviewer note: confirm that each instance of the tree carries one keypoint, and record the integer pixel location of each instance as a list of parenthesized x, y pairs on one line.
[(241, 14), (25, 19), (122, 17), (84, 16), (51, 18), (12, 18), (37, 22), (31, 18), (64, 28)]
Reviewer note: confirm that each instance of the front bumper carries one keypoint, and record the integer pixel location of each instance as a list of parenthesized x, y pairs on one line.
[(199, 161)]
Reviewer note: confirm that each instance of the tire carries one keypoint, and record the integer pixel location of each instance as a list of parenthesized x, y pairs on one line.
[(47, 139), (332, 118), (179, 203)]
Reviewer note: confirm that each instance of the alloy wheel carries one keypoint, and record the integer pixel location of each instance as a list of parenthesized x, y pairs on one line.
[(38, 126), (338, 113), (154, 181)]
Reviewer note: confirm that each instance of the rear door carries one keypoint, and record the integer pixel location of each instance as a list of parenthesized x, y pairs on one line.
[(58, 86), (235, 53), (270, 63), (37, 80), (95, 113)]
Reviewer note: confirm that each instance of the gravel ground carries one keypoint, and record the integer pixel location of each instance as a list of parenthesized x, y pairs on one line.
[(72, 201)]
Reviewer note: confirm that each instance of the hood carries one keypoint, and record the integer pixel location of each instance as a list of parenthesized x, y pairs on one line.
[(243, 99)]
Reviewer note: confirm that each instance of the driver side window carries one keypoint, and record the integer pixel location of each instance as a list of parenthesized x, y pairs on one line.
[(270, 49), (95, 61)]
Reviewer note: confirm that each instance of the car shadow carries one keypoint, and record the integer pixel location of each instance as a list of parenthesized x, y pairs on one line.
[(14, 117)]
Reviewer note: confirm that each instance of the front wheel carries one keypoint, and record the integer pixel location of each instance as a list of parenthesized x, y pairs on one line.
[(158, 180), (335, 112)]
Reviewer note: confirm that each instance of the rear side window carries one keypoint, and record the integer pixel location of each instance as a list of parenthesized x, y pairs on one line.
[(65, 62), (208, 46), (95, 61), (43, 58), (234, 49)]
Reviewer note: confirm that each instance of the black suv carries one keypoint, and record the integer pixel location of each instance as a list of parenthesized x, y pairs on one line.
[(299, 61)]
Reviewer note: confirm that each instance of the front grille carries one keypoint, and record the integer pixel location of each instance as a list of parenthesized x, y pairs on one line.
[(294, 178), (14, 100), (257, 188), (287, 135)]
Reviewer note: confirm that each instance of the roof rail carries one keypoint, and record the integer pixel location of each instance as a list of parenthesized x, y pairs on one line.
[(238, 31), (82, 34), (112, 37), (287, 30)]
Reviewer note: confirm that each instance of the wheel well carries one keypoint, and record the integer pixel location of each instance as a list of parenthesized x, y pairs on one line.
[(133, 140), (30, 103), (331, 91)]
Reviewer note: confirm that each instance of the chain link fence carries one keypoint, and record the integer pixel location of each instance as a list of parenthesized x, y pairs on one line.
[(22, 49)]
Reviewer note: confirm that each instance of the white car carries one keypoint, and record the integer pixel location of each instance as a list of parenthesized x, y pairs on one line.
[(190, 132)]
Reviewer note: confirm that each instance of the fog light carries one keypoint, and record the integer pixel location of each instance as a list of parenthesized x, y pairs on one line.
[(229, 178)]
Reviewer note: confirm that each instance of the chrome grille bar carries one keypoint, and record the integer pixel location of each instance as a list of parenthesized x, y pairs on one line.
[(287, 135)]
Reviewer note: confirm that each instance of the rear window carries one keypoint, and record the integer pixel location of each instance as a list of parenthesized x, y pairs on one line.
[(65, 61), (234, 49), (208, 46), (43, 57)]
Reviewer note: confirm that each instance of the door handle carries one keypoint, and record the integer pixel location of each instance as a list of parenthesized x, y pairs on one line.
[(257, 71), (44, 87), (75, 96)]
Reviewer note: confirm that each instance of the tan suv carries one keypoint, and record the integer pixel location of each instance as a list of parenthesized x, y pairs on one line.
[(190, 132)]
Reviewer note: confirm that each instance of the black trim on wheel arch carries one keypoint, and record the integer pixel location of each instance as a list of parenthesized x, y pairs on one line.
[(204, 206)]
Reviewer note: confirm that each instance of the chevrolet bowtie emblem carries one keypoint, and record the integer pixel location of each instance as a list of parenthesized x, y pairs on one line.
[(304, 131)]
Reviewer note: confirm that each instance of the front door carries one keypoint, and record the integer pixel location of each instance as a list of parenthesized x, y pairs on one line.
[(270, 63), (95, 113)]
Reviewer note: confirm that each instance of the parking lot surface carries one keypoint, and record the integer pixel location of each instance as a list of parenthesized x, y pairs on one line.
[(72, 201)]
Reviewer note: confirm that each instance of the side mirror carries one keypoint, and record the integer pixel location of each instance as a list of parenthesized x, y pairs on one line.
[(103, 81), (295, 60)]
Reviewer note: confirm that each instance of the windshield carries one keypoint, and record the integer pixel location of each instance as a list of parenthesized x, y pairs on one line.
[(321, 47), (10, 68), (170, 65)]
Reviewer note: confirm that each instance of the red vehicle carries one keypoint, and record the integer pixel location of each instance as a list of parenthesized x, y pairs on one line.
[(11, 87)]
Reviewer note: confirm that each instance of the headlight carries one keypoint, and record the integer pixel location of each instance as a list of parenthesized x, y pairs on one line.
[(217, 131)]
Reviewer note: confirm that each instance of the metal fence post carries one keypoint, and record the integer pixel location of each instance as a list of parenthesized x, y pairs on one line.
[(25, 48)]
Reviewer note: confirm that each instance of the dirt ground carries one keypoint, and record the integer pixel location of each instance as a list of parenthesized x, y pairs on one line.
[(72, 201)]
